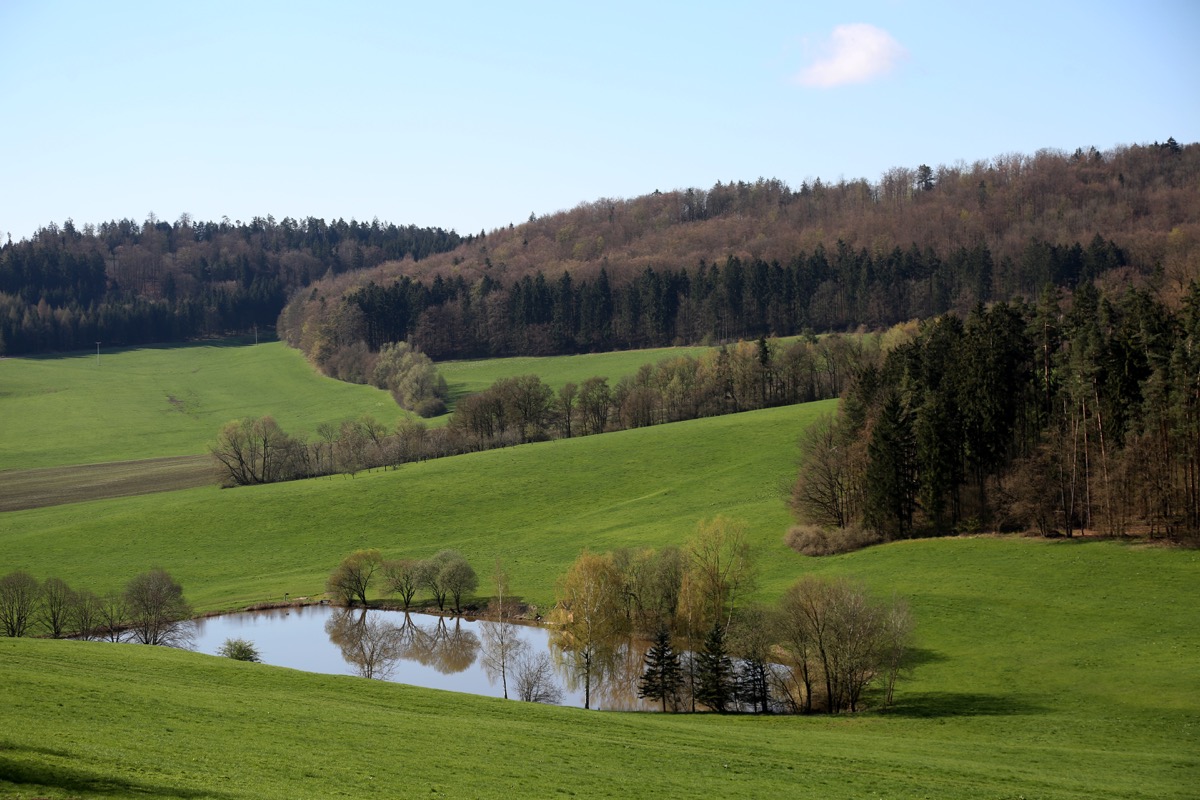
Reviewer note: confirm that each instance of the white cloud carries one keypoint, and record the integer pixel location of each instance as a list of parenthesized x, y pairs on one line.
[(853, 53)]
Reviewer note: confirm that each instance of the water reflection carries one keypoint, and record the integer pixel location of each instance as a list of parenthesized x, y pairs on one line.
[(423, 650)]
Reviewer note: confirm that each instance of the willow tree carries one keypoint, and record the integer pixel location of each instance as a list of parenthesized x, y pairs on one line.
[(589, 616)]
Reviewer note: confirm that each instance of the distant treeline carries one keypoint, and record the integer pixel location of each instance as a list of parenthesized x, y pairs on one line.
[(128, 283), (1052, 417), (820, 291), (519, 409)]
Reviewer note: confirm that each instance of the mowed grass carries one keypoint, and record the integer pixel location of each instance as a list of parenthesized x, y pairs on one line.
[(1044, 670), (163, 401)]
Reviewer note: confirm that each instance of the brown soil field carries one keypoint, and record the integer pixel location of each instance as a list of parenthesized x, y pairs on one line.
[(52, 486)]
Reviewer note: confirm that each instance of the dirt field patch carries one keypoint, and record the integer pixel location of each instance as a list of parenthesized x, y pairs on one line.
[(52, 486)]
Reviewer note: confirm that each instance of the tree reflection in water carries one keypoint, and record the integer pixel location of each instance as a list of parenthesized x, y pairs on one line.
[(374, 646), (368, 643), (614, 676)]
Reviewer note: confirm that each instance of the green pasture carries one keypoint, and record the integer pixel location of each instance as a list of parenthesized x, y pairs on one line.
[(535, 506), (172, 400), (163, 401), (1043, 670), (466, 377)]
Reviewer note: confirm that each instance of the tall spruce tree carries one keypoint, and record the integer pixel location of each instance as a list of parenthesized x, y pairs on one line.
[(716, 679), (891, 470), (662, 677)]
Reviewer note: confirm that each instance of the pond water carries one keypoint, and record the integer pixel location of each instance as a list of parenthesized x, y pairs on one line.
[(421, 650)]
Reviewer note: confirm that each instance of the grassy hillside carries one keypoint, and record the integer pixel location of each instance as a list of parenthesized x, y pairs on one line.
[(535, 506), (162, 401), (1043, 669), (1047, 670), (166, 401), (465, 377)]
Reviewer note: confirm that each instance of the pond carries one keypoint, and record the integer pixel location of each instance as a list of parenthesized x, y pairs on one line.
[(451, 653)]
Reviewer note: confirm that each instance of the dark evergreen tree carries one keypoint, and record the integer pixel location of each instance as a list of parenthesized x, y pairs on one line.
[(891, 478), (662, 677), (716, 680)]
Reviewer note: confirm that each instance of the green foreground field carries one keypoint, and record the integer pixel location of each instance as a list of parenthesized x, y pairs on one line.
[(1044, 670)]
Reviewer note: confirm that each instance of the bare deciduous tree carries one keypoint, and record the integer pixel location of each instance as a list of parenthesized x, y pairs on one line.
[(352, 578), (402, 577), (533, 680), (158, 612), (57, 599), (18, 602)]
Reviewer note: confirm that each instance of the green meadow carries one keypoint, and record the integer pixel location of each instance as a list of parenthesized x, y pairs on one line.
[(1042, 669), (163, 401), (172, 400), (535, 506), (465, 377)]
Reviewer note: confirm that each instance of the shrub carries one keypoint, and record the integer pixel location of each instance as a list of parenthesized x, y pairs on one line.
[(239, 650), (813, 540)]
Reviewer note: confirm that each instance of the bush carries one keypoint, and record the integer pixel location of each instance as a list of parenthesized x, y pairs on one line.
[(239, 650), (813, 540)]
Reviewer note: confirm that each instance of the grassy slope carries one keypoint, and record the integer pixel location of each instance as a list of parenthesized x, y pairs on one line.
[(162, 401), (474, 376), (172, 400), (535, 506), (1058, 669), (1030, 685)]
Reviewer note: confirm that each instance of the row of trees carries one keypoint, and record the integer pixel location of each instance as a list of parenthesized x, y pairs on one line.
[(820, 648), (125, 283), (523, 408), (150, 610), (1063, 416), (447, 577), (743, 377)]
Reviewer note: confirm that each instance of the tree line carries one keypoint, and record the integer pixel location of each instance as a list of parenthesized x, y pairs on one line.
[(679, 266), (127, 283), (837, 289), (1060, 417), (150, 610), (523, 408)]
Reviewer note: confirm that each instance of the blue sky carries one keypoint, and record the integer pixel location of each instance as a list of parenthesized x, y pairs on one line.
[(471, 116)]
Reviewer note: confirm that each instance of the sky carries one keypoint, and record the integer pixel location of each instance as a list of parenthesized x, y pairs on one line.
[(471, 116)]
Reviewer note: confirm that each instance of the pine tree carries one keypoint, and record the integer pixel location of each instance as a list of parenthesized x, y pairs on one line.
[(715, 676), (662, 677)]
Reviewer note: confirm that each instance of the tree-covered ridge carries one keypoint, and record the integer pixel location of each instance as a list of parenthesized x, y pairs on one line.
[(746, 259), (124, 282), (823, 290)]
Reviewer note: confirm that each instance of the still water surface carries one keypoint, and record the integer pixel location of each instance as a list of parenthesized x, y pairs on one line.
[(435, 652)]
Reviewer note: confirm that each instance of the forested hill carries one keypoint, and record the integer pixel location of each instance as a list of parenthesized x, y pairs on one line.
[(125, 282), (744, 259)]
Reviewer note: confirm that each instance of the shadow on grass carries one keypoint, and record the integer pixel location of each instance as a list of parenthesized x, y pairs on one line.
[(230, 341), (29, 776), (930, 705)]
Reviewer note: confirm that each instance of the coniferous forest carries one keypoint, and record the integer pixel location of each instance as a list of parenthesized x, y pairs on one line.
[(127, 283)]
